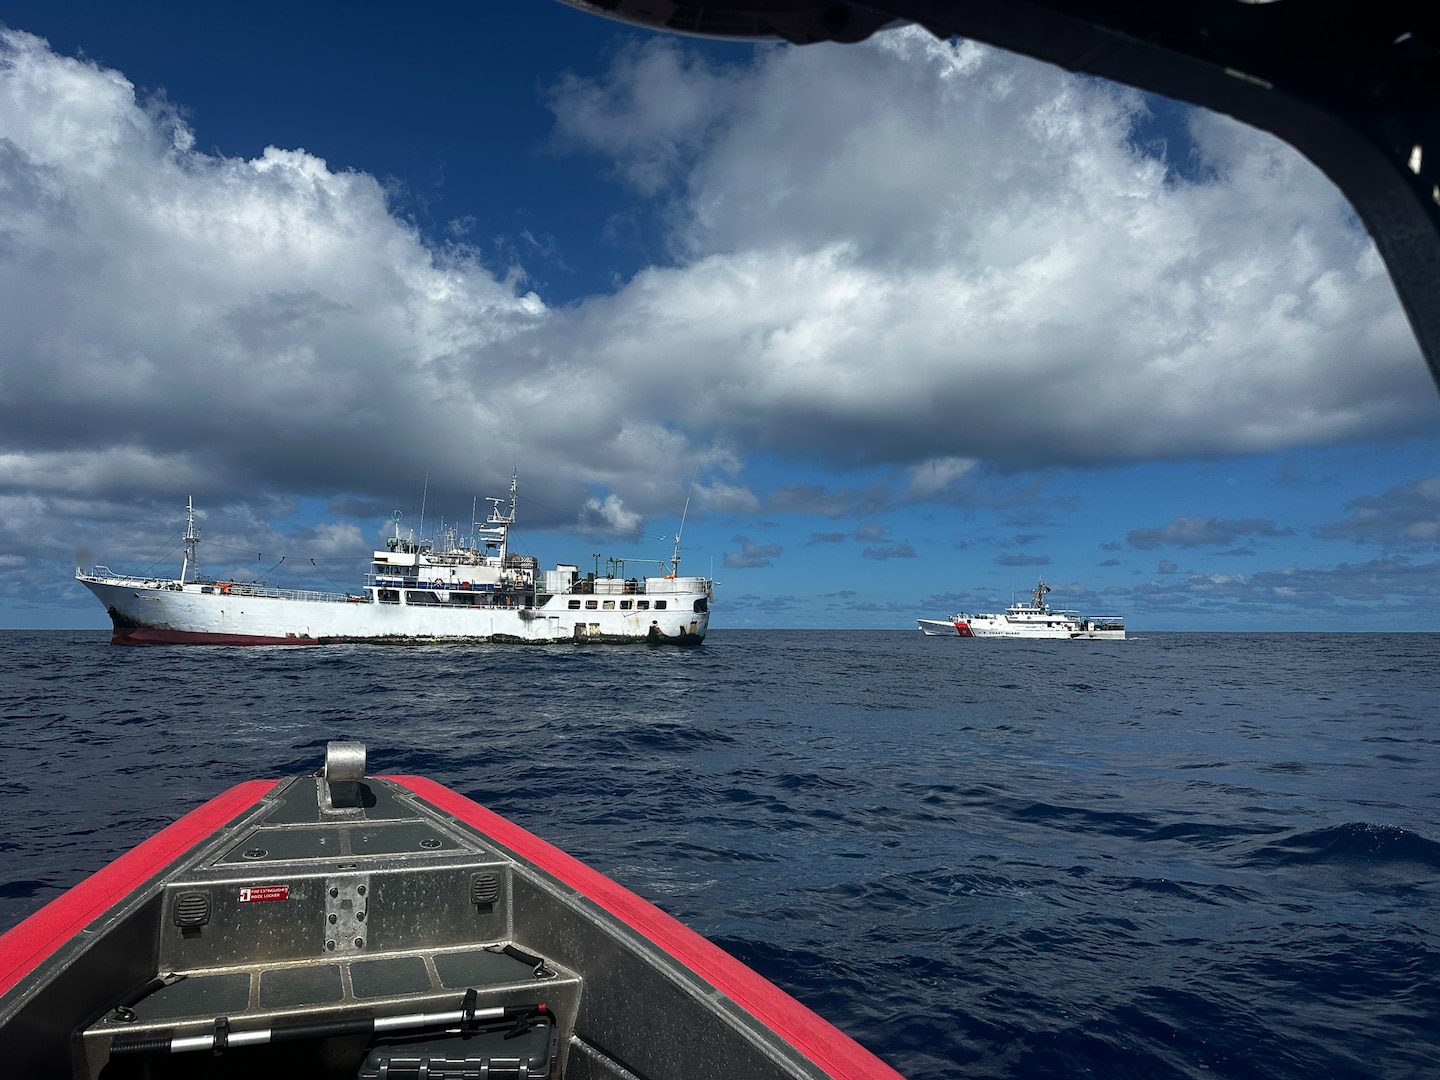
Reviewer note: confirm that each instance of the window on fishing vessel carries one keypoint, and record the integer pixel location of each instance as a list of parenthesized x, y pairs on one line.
[(389, 596), (591, 605), (642, 605), (609, 605), (574, 605), (659, 605), (625, 605)]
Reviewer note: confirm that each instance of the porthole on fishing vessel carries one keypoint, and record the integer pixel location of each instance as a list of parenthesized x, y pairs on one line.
[(457, 587)]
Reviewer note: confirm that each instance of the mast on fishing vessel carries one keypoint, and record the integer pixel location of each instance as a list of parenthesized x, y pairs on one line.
[(192, 537), (675, 559), (495, 530)]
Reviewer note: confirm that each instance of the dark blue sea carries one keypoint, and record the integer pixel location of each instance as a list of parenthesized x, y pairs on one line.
[(1182, 855)]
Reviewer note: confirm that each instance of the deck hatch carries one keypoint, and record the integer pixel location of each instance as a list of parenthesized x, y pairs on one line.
[(389, 977), (480, 967), (196, 995), (287, 843), (287, 988)]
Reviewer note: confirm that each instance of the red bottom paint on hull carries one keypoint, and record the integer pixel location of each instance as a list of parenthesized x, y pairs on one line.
[(146, 635)]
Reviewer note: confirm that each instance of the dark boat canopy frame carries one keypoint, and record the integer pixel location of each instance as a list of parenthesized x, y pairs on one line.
[(1354, 85)]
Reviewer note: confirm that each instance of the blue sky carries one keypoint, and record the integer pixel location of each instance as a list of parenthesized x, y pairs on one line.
[(910, 323)]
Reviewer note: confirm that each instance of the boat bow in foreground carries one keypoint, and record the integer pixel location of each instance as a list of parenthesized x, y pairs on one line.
[(344, 926)]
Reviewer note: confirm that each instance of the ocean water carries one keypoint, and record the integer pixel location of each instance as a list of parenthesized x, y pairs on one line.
[(1182, 855)]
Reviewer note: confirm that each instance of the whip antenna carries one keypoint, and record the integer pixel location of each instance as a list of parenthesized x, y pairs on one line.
[(675, 562)]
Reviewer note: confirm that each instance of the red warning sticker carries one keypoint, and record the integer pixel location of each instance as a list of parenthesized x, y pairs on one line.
[(254, 894)]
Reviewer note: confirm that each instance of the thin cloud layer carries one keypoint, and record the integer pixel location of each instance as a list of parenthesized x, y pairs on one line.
[(1189, 532), (1405, 517), (1346, 591)]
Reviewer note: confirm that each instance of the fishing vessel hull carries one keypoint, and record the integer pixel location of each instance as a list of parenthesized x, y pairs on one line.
[(455, 589), (338, 925), (172, 613)]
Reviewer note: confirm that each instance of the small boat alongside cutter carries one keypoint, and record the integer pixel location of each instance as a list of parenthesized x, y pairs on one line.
[(1033, 620), (940, 627), (339, 925)]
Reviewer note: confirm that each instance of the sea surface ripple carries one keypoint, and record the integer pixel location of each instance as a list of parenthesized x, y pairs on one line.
[(1182, 855)]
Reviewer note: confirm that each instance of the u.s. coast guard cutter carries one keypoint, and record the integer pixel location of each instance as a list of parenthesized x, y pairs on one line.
[(416, 591), (1037, 619)]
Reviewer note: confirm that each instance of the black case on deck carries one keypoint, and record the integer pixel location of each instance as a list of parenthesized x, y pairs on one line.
[(523, 1051)]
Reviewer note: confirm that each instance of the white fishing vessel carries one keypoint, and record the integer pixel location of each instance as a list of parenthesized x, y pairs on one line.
[(456, 590), (1035, 619)]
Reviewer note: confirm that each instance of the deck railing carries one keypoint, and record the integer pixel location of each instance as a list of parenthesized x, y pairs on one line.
[(104, 575)]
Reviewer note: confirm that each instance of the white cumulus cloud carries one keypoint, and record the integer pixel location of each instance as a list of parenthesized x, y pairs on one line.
[(925, 256), (918, 249)]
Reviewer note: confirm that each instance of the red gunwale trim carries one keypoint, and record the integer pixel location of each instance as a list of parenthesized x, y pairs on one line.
[(25, 946), (840, 1056)]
